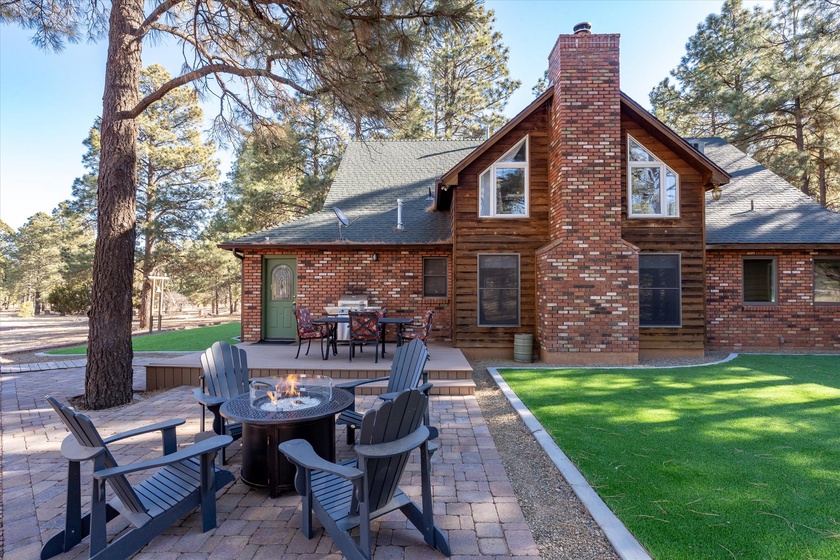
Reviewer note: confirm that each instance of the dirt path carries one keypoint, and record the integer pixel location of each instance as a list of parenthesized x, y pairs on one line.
[(21, 337)]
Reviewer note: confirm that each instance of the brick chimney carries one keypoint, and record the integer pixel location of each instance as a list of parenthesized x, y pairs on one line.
[(587, 275)]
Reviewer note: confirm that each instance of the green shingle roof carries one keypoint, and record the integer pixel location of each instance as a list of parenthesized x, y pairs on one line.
[(371, 177)]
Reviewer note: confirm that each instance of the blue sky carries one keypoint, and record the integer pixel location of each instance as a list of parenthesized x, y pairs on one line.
[(48, 101)]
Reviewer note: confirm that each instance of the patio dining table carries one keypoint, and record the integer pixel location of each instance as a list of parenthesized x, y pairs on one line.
[(333, 321)]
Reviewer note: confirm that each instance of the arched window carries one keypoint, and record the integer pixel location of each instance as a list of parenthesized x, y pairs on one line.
[(281, 283)]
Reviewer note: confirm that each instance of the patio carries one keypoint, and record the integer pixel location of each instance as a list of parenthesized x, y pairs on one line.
[(474, 501), (448, 369)]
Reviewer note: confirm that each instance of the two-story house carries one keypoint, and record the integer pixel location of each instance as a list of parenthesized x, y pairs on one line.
[(583, 221)]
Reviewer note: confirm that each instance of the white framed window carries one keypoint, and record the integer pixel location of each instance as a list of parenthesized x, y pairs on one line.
[(653, 187), (760, 281), (660, 291), (503, 187), (498, 290)]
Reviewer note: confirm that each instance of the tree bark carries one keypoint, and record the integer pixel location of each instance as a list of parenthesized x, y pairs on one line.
[(822, 177), (109, 376), (805, 186)]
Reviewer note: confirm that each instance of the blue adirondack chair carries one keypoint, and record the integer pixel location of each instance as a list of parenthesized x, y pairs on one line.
[(183, 480), (406, 372), (225, 375), (349, 495)]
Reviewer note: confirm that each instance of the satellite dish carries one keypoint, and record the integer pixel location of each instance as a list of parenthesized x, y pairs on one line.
[(343, 222), (342, 217)]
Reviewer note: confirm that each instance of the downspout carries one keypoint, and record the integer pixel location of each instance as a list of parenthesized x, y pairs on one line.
[(241, 256)]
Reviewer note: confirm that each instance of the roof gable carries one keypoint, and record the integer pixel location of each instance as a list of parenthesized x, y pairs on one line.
[(712, 173), (450, 177)]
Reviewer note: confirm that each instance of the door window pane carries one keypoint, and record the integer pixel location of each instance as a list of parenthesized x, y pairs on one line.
[(498, 290), (827, 281), (281, 283), (659, 290), (760, 280)]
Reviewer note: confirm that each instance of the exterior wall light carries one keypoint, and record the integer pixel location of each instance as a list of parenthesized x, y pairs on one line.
[(716, 192)]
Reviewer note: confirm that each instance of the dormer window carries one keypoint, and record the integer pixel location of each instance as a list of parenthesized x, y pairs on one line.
[(653, 189), (503, 187)]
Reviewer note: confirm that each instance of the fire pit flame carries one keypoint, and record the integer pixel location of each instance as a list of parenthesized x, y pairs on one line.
[(288, 396)]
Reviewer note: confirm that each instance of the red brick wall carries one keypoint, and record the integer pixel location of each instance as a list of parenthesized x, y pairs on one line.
[(587, 276), (794, 322), (393, 281)]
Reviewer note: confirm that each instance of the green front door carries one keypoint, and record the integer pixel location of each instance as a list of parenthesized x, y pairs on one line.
[(279, 290)]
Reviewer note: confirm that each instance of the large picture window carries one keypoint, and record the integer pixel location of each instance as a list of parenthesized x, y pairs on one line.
[(653, 189), (826, 280), (760, 280), (434, 277), (659, 290), (503, 187), (498, 290)]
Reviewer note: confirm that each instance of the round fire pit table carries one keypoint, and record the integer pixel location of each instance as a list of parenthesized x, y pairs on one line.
[(265, 426)]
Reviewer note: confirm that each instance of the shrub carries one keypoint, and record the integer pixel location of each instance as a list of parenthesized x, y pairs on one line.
[(67, 299), (26, 309)]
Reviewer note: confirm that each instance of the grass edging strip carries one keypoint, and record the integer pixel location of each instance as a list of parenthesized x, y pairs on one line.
[(625, 544)]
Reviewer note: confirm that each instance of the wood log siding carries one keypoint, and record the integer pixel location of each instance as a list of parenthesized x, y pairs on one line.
[(684, 235), (473, 236)]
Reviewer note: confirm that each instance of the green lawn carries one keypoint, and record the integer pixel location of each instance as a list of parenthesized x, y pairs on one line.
[(186, 340), (736, 460)]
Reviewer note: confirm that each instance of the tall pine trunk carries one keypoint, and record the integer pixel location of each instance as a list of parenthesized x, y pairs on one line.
[(109, 375)]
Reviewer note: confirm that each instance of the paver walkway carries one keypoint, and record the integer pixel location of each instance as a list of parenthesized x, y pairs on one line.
[(474, 502)]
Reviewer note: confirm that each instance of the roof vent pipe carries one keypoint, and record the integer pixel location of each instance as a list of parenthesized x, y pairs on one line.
[(582, 28), (399, 214)]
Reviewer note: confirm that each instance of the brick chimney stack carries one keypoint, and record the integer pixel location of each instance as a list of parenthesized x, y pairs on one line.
[(587, 275)]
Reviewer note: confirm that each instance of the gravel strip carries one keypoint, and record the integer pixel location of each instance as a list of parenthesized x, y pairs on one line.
[(562, 527)]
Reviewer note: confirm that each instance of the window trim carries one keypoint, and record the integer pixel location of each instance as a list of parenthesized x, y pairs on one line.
[(814, 281), (775, 281), (445, 278), (679, 291), (664, 168), (478, 290), (498, 164)]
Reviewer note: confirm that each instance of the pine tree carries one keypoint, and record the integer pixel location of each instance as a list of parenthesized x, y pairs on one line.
[(176, 180), (766, 81), (353, 51), (464, 80)]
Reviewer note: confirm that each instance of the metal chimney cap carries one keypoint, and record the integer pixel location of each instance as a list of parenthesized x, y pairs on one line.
[(583, 27)]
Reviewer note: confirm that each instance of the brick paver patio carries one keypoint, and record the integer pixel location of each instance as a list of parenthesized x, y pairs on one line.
[(474, 502)]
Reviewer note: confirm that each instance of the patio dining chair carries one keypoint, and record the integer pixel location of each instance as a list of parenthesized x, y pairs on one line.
[(406, 371), (418, 332), (307, 330), (364, 329), (182, 480), (224, 376), (351, 494)]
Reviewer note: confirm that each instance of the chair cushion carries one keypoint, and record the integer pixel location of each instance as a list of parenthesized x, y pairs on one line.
[(311, 334)]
